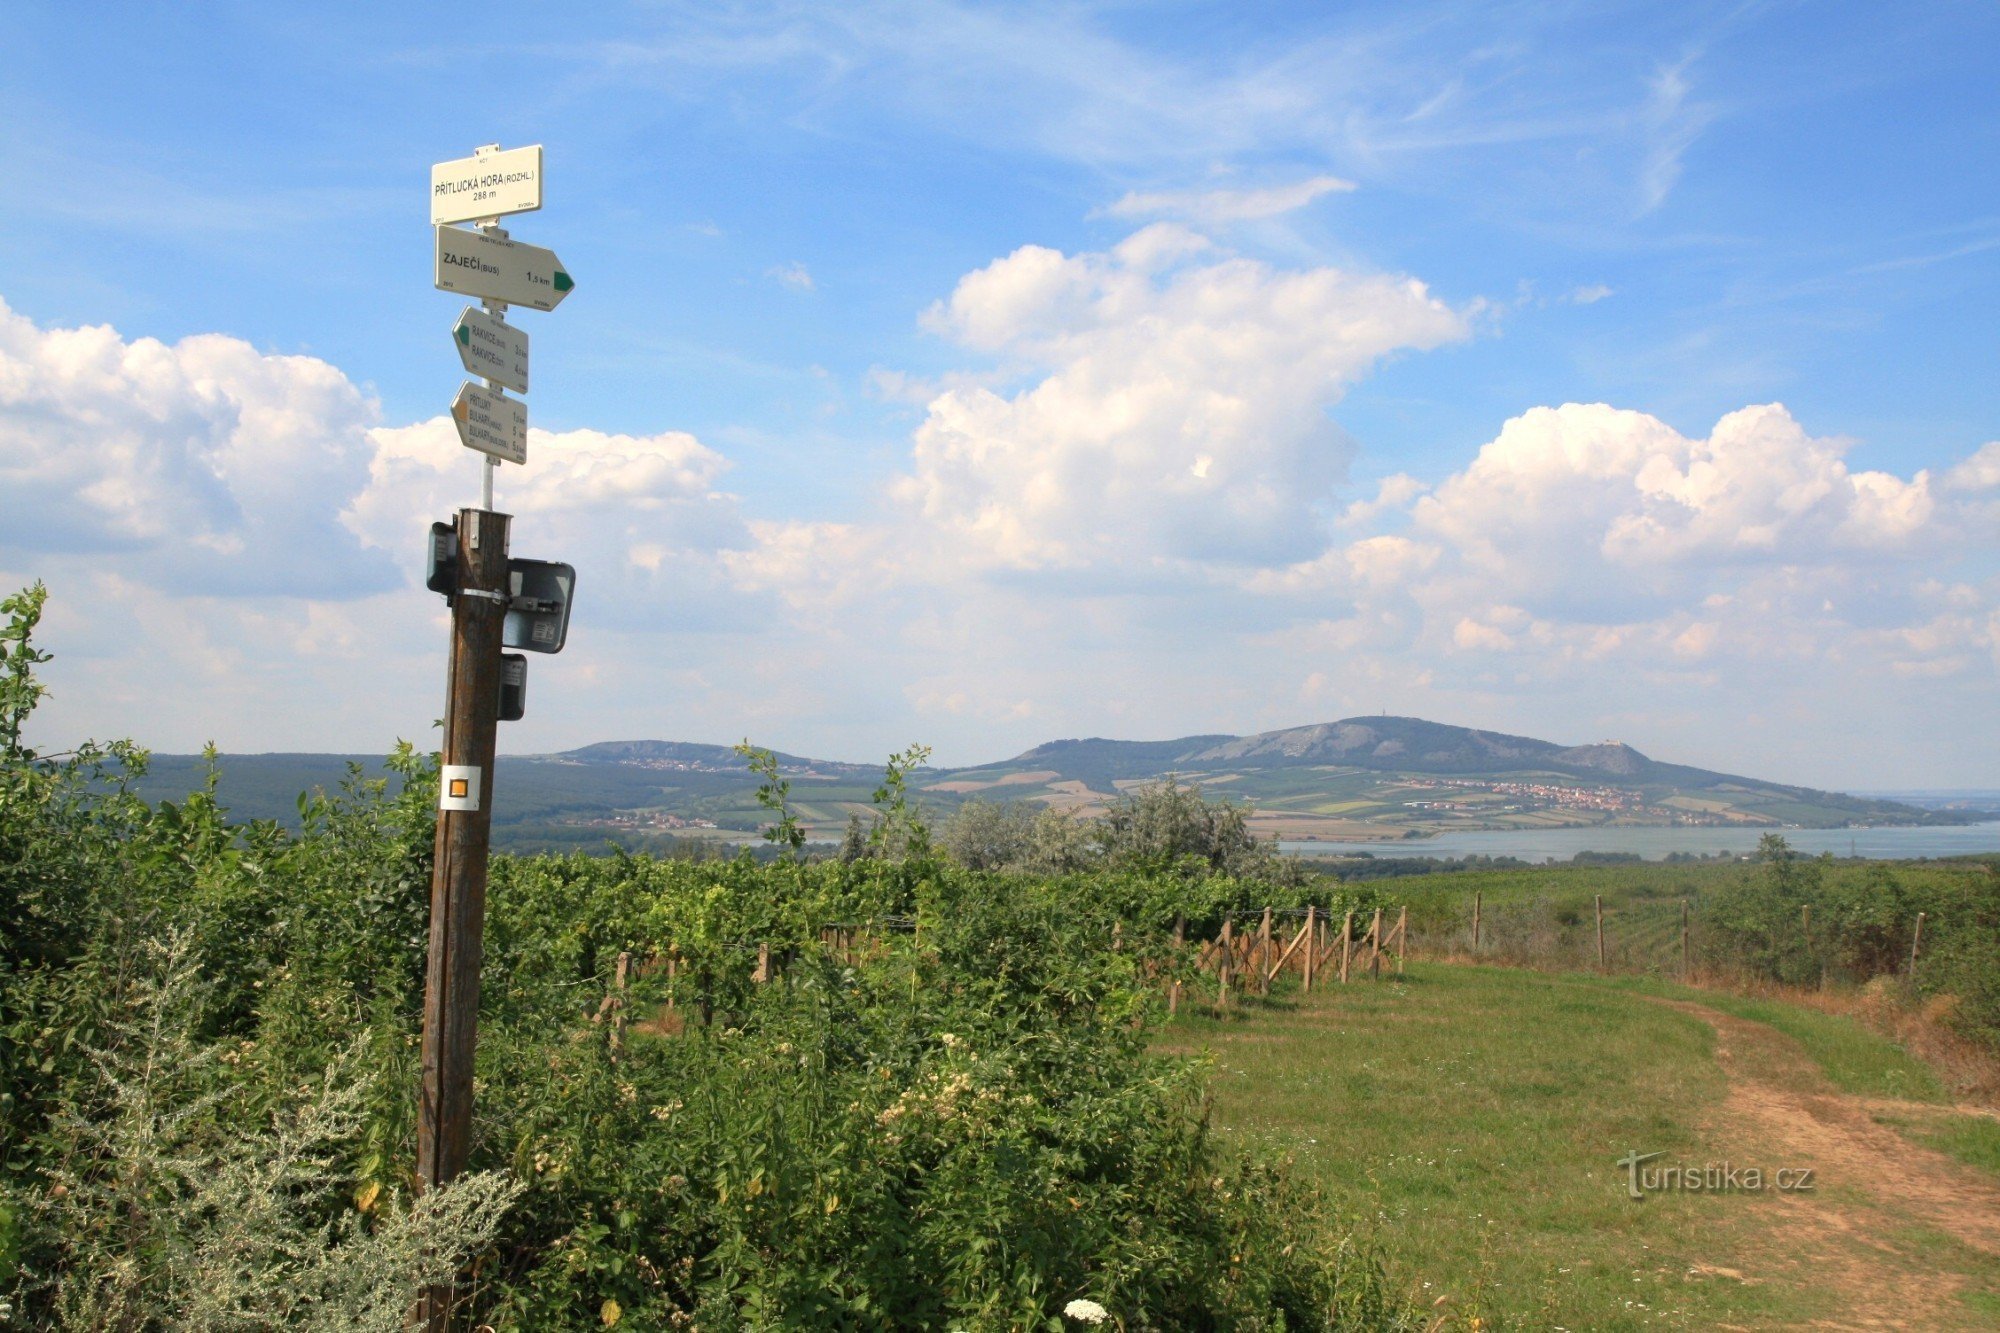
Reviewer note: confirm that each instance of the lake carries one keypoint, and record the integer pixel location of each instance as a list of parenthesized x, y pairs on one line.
[(1889, 843)]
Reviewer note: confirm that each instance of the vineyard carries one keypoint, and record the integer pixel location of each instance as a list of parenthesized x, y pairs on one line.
[(880, 1090), (208, 1054)]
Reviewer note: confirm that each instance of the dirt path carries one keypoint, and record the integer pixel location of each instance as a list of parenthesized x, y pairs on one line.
[(1894, 1228)]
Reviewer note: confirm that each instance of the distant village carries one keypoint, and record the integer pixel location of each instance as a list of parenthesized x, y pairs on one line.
[(1528, 796)]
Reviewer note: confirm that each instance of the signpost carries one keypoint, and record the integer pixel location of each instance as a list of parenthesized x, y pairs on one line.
[(492, 599), (490, 347), (491, 422), (486, 263), (489, 184)]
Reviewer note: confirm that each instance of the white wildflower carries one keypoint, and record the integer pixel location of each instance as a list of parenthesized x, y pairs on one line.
[(1087, 1312)]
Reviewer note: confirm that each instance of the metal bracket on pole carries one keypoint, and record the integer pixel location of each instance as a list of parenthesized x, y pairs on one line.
[(498, 309)]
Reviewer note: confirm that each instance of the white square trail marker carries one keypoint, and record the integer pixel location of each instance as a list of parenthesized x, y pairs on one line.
[(489, 184), (458, 787)]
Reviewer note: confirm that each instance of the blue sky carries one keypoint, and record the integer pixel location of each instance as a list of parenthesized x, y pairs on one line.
[(984, 374)]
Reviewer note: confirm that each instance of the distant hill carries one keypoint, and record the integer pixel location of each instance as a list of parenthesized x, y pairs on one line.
[(1381, 744), (1358, 779)]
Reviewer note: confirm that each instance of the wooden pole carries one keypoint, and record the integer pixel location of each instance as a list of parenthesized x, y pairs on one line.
[(1402, 936), (1375, 948), (1228, 962), (1600, 931), (1285, 955), (458, 878), (763, 972), (1264, 955), (1686, 952), (1476, 904), (1916, 938), (1312, 947), (1346, 945), (624, 972)]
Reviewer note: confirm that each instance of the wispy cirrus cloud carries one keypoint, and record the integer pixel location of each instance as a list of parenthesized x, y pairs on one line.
[(1224, 205)]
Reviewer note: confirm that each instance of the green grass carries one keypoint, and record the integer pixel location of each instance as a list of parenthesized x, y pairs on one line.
[(1853, 1058), (1971, 1139), (1471, 1118)]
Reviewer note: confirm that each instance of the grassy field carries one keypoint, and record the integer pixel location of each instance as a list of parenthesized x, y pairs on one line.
[(1473, 1118)]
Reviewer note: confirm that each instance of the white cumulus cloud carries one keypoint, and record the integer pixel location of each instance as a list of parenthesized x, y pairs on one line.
[(204, 463), (1175, 407)]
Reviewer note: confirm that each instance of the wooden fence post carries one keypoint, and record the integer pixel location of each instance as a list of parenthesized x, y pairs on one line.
[(1312, 948), (1402, 936), (1916, 938), (1476, 904), (1264, 954), (1346, 945), (1228, 961), (763, 972), (1686, 953), (624, 970), (1375, 948), (1600, 930)]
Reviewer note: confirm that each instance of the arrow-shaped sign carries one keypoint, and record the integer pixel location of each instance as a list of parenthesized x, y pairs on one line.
[(491, 422), (498, 269), (492, 348)]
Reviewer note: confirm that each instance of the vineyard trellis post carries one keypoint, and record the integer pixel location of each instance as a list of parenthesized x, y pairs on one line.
[(1687, 972)]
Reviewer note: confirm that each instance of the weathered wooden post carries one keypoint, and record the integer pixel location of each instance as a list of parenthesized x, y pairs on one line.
[(1228, 962), (1686, 941), (1346, 944), (1916, 938), (1402, 936), (1375, 947), (1600, 930), (1476, 897), (1312, 947)]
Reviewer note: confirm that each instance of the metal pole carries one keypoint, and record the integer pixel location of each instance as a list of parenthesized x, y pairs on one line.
[(458, 880)]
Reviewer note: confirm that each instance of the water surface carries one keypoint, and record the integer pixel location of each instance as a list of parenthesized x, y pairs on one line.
[(1889, 843)]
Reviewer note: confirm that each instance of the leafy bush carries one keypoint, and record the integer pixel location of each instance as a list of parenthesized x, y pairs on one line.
[(953, 1119)]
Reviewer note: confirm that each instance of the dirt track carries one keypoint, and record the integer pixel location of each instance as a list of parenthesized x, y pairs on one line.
[(1884, 1226)]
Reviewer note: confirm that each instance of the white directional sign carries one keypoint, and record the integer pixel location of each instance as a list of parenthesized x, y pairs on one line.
[(475, 264), (492, 348), (489, 184), (491, 422)]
